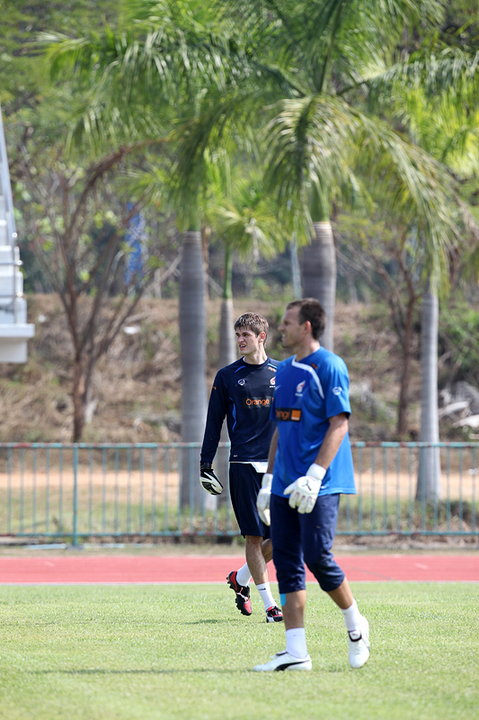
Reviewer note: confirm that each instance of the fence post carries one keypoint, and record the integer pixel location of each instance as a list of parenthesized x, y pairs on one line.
[(75, 498)]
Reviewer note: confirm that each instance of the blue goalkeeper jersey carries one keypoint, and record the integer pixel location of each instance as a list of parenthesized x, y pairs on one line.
[(307, 393), (242, 393)]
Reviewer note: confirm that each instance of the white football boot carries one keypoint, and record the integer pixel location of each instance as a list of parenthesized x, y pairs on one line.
[(284, 661), (358, 645)]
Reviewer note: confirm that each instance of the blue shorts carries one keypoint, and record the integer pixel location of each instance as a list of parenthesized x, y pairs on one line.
[(305, 539), (245, 484)]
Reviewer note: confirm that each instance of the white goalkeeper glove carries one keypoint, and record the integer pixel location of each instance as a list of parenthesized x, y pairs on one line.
[(209, 481), (304, 491), (264, 496)]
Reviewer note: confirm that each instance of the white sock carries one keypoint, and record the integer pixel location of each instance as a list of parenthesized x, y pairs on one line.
[(296, 642), (243, 575), (265, 591), (352, 617)]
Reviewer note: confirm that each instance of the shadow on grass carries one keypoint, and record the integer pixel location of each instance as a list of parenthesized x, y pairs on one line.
[(152, 671), (333, 669), (206, 621)]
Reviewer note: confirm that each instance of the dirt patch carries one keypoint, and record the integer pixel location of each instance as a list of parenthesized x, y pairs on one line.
[(125, 485), (136, 388)]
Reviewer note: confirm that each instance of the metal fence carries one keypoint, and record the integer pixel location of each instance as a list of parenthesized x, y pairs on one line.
[(133, 492)]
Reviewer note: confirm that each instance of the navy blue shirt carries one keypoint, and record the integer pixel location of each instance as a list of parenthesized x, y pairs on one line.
[(242, 393)]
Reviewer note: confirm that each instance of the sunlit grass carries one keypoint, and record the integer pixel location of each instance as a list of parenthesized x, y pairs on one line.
[(183, 651)]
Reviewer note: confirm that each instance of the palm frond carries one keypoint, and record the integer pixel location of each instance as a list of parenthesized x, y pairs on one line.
[(246, 222), (157, 63), (313, 142), (308, 144), (223, 123), (418, 188), (451, 73), (327, 43)]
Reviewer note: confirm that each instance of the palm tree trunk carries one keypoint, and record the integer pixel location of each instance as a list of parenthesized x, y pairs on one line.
[(192, 322), (226, 341), (429, 472), (226, 355), (295, 269), (405, 371), (318, 271)]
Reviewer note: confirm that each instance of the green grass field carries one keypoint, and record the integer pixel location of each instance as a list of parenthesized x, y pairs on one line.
[(183, 651)]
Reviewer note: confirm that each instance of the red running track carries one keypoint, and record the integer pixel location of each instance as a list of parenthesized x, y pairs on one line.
[(212, 569)]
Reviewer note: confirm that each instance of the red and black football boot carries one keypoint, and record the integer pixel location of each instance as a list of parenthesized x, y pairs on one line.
[(243, 602)]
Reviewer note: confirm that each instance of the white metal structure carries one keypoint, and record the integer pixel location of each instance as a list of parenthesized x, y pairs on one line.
[(14, 329)]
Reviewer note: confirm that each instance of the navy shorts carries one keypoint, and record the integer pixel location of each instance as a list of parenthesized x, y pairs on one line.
[(245, 484), (300, 539)]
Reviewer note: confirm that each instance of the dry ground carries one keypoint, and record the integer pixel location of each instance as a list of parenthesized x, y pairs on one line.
[(136, 388)]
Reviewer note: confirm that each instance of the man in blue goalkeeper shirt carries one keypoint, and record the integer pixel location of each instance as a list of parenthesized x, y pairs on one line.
[(310, 466), (242, 392)]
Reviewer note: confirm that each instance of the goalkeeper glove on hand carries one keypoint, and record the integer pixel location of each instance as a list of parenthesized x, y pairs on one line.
[(209, 481), (264, 496), (304, 491)]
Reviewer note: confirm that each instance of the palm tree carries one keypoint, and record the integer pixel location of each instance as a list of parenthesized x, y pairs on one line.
[(146, 76), (433, 97), (307, 48), (326, 57), (453, 138)]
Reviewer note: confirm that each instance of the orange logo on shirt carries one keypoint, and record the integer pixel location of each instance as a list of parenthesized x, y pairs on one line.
[(285, 414)]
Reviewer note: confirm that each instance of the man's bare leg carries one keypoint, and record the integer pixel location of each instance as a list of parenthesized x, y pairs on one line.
[(258, 552)]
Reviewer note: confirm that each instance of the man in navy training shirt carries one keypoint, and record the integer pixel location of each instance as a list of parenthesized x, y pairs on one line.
[(242, 392), (310, 466)]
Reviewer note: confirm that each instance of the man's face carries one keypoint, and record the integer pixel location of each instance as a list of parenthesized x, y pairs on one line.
[(292, 331), (248, 342)]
